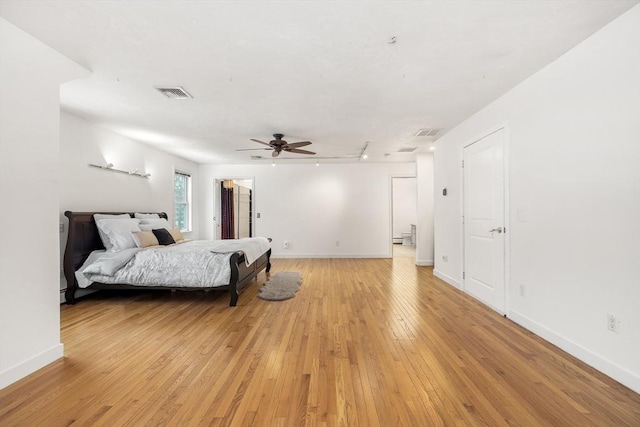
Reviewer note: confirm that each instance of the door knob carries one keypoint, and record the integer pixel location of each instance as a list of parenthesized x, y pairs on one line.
[(498, 229)]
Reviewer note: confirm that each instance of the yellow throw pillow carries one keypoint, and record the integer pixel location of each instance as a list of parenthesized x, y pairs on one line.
[(144, 239), (176, 234)]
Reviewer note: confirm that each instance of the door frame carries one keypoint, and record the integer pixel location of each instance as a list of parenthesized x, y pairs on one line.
[(391, 177), (507, 221), (216, 202)]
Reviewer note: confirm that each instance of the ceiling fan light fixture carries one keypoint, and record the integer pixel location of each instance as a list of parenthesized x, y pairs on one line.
[(278, 145)]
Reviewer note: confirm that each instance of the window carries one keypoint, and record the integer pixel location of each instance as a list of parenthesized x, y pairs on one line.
[(182, 206)]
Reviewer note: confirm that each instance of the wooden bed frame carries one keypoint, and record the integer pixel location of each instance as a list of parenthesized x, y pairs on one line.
[(83, 238)]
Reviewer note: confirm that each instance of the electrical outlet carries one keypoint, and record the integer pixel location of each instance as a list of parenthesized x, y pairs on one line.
[(612, 323), (62, 227), (522, 289), (445, 258), (337, 242), (286, 244)]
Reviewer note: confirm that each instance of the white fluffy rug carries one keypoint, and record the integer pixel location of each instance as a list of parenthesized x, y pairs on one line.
[(281, 286)]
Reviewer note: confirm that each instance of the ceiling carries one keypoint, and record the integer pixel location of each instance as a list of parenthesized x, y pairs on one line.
[(339, 74)]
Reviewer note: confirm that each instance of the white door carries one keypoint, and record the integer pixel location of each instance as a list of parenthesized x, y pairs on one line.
[(243, 212), (484, 225), (217, 214)]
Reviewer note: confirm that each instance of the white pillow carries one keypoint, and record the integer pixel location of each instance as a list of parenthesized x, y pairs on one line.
[(119, 233), (146, 215), (103, 237), (154, 223), (98, 217)]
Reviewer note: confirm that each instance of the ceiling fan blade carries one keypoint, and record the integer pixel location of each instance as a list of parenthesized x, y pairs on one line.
[(275, 153), (299, 144), (253, 149), (295, 150), (260, 142)]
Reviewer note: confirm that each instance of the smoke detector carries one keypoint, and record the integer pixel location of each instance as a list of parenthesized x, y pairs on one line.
[(174, 92), (427, 132)]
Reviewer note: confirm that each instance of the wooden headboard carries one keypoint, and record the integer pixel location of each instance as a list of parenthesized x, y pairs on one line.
[(82, 239)]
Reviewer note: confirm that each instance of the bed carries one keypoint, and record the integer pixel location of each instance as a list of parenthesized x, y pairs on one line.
[(84, 239)]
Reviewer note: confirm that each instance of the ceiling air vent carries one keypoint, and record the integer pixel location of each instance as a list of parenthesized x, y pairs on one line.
[(427, 132), (407, 149), (257, 157), (176, 92)]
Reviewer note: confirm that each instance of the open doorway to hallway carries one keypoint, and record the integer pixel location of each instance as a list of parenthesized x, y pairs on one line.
[(404, 196), (233, 207)]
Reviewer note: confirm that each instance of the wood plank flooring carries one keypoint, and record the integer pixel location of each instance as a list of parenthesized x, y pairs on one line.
[(366, 342)]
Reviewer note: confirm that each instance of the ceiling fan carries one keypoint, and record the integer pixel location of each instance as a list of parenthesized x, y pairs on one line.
[(279, 145)]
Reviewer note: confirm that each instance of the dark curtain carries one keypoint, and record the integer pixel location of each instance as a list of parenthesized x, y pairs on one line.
[(227, 213)]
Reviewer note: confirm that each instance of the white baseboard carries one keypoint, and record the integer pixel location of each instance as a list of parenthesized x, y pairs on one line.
[(618, 373), (424, 263), (29, 366), (276, 256), (450, 280)]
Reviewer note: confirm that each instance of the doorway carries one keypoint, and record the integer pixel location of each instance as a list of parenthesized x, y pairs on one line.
[(484, 274), (233, 207), (404, 207)]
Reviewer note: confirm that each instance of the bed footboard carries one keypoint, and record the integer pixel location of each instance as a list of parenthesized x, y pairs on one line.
[(242, 274)]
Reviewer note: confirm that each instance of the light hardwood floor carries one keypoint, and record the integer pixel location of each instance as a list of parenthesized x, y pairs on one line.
[(364, 343), (402, 251)]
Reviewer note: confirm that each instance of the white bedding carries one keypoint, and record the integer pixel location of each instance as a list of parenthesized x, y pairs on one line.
[(200, 263)]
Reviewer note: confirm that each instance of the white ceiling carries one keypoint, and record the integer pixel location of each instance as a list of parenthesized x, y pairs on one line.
[(323, 71)]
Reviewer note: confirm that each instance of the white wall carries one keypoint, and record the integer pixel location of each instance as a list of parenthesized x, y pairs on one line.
[(84, 188), (425, 227), (313, 207), (405, 197), (29, 113), (574, 198)]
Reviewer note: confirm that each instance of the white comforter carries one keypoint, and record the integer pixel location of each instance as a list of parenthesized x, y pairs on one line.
[(200, 263)]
